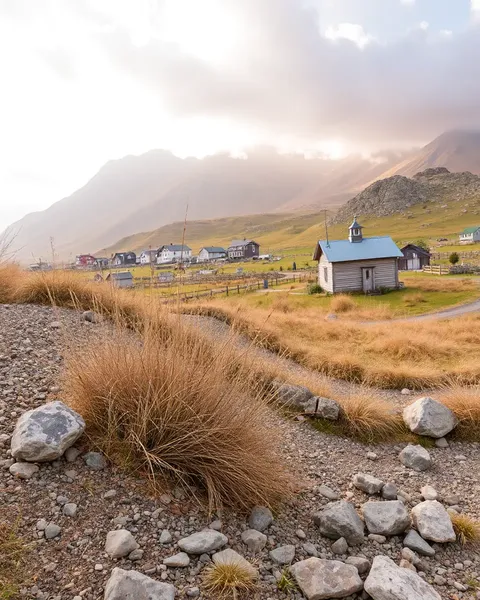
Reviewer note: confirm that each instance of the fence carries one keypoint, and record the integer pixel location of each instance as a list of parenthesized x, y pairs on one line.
[(436, 269)]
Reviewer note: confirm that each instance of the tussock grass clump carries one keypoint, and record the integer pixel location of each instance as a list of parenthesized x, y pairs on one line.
[(414, 298), (13, 557), (171, 402), (230, 579), (342, 303), (465, 404), (466, 529), (286, 583), (10, 278)]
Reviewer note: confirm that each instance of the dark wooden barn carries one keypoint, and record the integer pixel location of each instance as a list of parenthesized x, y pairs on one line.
[(414, 258)]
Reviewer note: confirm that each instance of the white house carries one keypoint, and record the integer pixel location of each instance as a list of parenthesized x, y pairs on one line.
[(173, 253), (211, 253), (148, 256), (358, 264), (470, 235)]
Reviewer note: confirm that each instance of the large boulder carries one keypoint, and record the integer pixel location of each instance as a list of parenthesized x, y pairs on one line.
[(323, 408), (203, 542), (319, 579), (386, 518), (387, 581), (416, 458), (339, 519), (428, 417), (294, 396), (433, 522), (132, 585), (43, 434)]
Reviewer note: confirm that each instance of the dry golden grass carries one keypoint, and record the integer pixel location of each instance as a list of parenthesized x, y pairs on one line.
[(230, 579), (465, 403), (414, 298), (466, 529), (172, 402), (342, 303), (10, 278), (13, 561), (442, 284)]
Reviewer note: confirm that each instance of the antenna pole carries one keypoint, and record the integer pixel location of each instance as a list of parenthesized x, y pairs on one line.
[(326, 228)]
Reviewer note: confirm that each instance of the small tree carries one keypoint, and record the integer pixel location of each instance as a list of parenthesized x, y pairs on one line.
[(423, 245), (454, 258)]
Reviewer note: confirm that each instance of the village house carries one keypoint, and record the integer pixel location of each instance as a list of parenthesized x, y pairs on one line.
[(357, 264), (121, 279), (211, 253), (84, 260), (414, 258), (470, 235), (148, 256), (174, 253), (124, 258), (101, 262), (243, 249)]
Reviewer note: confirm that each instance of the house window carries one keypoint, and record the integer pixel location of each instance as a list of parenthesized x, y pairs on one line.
[(325, 274), (356, 232)]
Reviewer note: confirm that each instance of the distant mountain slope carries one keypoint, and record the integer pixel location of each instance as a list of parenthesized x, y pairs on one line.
[(398, 194)]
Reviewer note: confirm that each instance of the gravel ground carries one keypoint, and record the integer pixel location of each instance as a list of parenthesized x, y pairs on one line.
[(74, 564)]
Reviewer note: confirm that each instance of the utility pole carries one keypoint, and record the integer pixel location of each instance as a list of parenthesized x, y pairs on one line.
[(326, 228)]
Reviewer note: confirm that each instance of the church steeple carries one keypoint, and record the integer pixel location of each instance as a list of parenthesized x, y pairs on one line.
[(355, 231)]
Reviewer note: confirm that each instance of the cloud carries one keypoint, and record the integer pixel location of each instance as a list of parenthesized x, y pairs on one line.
[(475, 9), (349, 31)]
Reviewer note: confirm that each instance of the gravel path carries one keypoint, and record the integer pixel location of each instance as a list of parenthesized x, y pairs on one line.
[(74, 564)]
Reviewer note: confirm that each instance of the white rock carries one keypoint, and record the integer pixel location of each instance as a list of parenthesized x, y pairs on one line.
[(203, 542), (415, 457), (70, 509), (387, 581), (254, 540), (429, 493), (43, 434), (178, 560), (321, 579), (230, 557), (339, 519), (165, 537), (132, 585), (23, 470), (386, 518), (433, 522), (428, 417), (367, 483), (120, 543)]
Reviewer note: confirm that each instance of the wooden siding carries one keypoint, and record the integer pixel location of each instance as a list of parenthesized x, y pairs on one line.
[(347, 276), (326, 285)]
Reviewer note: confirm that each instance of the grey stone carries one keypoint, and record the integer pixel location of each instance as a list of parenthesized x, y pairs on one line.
[(110, 494), (415, 457), (409, 555), (429, 493), (23, 470), (339, 519), (203, 541), (441, 443), (283, 555), (230, 557), (217, 525), (323, 408), (254, 540), (372, 455), (321, 579), (178, 560), (193, 592), (120, 543), (387, 581), (327, 492), (165, 537), (361, 563), (135, 555), (389, 491), (415, 542), (52, 530), (340, 546), (71, 454), (90, 316), (367, 483), (69, 509), (43, 434), (260, 518), (132, 585), (375, 537), (310, 549), (386, 518), (428, 417), (295, 396), (433, 522), (95, 461)]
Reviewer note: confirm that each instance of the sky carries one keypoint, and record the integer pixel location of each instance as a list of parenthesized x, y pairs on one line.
[(87, 81)]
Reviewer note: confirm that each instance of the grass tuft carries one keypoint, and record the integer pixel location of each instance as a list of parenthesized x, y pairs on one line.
[(466, 529), (465, 404), (13, 555), (230, 580), (342, 303), (286, 583)]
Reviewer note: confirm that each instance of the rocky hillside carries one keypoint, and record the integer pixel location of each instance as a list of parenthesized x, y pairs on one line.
[(398, 193)]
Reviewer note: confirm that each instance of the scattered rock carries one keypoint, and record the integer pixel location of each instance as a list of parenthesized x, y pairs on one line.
[(120, 543), (340, 546), (43, 434), (178, 560), (291, 395), (135, 555), (23, 470), (372, 456), (405, 392), (415, 457), (69, 509), (327, 492), (254, 540), (361, 563), (321, 579), (386, 518), (203, 542), (323, 408), (441, 443), (433, 522), (133, 585), (283, 555), (52, 530), (428, 417), (260, 518), (71, 454), (165, 537), (386, 581), (89, 316), (95, 461), (339, 519), (429, 493), (367, 483), (415, 542), (389, 491)]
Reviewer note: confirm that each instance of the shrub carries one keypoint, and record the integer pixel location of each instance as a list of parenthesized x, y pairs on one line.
[(454, 258), (369, 417), (314, 288), (465, 403), (230, 579), (466, 529), (173, 403), (342, 303)]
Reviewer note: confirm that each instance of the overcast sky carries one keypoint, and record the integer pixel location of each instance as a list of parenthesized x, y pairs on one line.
[(85, 81)]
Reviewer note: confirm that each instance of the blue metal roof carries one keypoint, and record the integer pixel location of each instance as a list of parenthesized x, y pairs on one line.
[(367, 249)]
